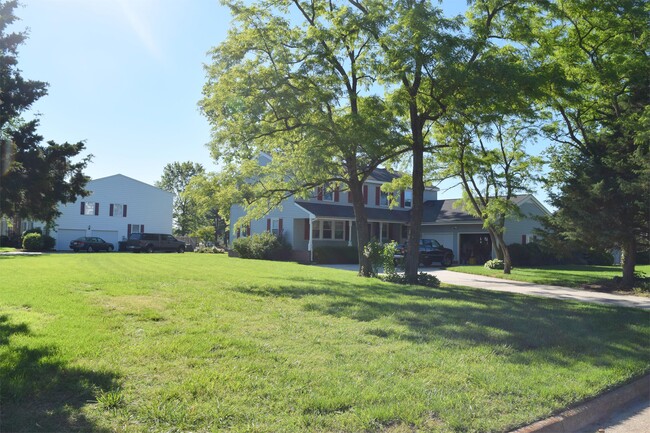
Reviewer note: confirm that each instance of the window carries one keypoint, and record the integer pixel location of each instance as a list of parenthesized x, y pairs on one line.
[(117, 210), (384, 230), (275, 226), (408, 198), (328, 193), (315, 230), (328, 229), (383, 199), (136, 228), (89, 208), (339, 230)]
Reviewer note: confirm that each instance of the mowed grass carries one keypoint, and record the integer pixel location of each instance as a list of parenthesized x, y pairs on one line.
[(190, 342), (566, 276)]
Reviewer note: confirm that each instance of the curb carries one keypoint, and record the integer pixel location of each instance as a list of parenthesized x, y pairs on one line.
[(574, 419)]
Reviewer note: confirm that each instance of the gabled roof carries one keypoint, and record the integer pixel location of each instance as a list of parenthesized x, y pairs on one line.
[(435, 211), (443, 212), (383, 175), (337, 211)]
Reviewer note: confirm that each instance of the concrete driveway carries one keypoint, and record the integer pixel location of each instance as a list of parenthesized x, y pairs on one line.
[(500, 285)]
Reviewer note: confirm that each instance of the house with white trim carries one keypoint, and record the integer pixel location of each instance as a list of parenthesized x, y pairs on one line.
[(116, 207), (327, 219)]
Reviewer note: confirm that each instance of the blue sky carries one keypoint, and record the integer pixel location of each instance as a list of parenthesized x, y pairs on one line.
[(126, 76)]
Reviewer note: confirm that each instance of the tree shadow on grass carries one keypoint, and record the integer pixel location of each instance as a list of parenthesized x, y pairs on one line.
[(39, 392), (524, 328)]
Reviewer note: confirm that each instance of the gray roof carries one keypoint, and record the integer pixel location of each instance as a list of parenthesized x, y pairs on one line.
[(443, 211), (435, 212), (328, 210), (383, 175)]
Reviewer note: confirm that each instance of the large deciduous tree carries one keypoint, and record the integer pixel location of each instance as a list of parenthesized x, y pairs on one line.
[(600, 98), (175, 179), (426, 59), (34, 178), (493, 167), (294, 80)]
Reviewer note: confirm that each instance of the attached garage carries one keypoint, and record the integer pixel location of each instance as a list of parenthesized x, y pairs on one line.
[(65, 236), (108, 235)]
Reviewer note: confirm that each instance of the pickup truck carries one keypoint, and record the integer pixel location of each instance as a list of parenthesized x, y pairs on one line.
[(430, 251)]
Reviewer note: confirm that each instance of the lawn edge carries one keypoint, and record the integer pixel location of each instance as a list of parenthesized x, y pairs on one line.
[(593, 410)]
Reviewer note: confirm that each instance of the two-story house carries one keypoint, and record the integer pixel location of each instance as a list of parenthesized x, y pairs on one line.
[(327, 219)]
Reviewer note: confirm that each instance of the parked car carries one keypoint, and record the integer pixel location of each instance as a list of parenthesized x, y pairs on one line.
[(91, 244), (150, 242), (430, 251)]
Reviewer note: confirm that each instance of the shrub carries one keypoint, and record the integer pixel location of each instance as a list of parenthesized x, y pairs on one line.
[(48, 242), (34, 230), (494, 264), (209, 250), (336, 255), (265, 246), (532, 254), (33, 242), (599, 258), (373, 252), (424, 279), (388, 257)]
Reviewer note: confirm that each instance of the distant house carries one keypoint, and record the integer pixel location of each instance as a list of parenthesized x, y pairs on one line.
[(327, 219), (116, 207)]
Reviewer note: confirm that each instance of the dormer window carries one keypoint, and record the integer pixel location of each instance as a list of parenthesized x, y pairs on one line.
[(408, 198), (328, 194), (383, 199)]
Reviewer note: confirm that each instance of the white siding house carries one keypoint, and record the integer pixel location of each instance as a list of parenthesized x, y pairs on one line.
[(116, 207)]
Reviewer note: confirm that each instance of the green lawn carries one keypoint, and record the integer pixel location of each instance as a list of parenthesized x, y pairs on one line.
[(567, 276), (192, 342)]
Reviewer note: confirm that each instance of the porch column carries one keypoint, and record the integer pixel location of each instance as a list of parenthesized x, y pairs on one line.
[(381, 232), (310, 246), (349, 233)]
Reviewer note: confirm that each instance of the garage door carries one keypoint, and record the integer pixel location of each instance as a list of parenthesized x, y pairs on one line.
[(108, 236), (64, 236)]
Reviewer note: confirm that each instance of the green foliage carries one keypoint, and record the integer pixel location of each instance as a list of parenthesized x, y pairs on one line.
[(205, 234), (599, 120), (336, 255), (175, 179), (262, 246), (373, 251), (388, 257), (423, 279), (33, 242), (48, 242), (202, 249), (494, 264), (36, 178)]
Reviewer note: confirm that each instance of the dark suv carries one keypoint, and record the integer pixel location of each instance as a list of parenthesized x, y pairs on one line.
[(430, 251), (150, 242)]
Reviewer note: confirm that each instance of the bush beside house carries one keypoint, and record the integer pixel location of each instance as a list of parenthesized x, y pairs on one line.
[(262, 246)]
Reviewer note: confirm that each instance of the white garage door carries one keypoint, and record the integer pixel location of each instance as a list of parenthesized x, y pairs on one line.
[(64, 236), (446, 240), (108, 236)]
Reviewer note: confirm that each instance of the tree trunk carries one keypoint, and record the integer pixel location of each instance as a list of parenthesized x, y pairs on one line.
[(361, 220), (628, 260), (415, 228), (502, 250)]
